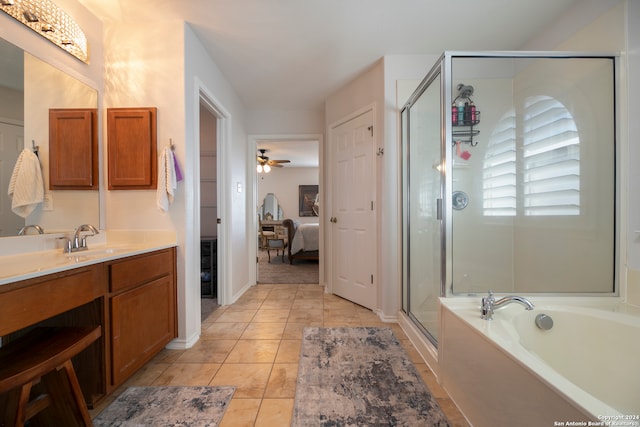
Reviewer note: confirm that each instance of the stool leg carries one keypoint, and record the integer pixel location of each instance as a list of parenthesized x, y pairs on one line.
[(21, 415), (67, 399)]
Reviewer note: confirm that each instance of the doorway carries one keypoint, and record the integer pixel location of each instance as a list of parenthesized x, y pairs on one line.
[(208, 211), (299, 166)]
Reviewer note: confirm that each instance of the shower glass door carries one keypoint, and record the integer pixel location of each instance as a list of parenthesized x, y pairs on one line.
[(422, 205)]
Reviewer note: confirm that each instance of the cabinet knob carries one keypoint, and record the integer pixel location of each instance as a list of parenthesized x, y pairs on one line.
[(333, 219)]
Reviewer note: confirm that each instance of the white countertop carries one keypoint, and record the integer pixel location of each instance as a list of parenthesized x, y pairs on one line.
[(27, 265)]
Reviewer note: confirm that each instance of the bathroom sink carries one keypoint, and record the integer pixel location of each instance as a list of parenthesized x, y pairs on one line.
[(98, 252)]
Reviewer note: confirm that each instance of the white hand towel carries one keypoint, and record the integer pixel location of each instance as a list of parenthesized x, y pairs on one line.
[(167, 183), (26, 187)]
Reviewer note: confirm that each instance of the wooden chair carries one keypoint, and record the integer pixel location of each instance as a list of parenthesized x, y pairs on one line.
[(264, 235), (40, 361)]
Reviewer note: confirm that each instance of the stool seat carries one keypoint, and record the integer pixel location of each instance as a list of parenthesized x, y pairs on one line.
[(44, 355)]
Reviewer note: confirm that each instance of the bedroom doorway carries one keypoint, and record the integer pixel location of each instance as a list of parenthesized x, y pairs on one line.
[(276, 197)]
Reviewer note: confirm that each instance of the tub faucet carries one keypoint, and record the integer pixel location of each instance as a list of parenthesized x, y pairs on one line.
[(36, 227), (79, 242), (489, 304)]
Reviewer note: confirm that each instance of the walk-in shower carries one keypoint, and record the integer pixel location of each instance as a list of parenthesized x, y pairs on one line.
[(509, 179)]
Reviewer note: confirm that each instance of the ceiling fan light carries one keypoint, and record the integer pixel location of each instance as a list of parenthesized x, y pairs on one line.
[(266, 168), (259, 168)]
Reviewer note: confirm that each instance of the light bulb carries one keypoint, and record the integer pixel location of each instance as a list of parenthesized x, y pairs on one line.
[(259, 168), (267, 168)]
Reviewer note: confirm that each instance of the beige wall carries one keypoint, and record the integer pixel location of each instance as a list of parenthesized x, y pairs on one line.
[(284, 182)]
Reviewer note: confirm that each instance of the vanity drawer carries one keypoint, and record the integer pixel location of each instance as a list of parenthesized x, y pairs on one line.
[(34, 300), (140, 269)]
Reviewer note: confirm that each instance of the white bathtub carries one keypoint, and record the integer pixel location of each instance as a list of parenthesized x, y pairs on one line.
[(586, 368)]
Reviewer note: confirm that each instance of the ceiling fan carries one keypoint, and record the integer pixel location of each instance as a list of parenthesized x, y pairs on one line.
[(265, 164)]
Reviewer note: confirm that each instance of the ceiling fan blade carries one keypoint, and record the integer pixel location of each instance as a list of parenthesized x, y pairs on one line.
[(275, 165), (273, 162)]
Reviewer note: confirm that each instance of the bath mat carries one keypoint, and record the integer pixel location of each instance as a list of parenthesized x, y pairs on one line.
[(360, 377), (167, 406)]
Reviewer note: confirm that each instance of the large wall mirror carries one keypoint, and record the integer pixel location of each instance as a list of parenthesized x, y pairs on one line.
[(271, 209), (29, 87)]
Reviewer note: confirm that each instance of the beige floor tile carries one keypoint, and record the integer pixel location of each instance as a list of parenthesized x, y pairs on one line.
[(241, 413), (250, 379), (147, 374), (289, 351), (277, 304), (280, 295), (250, 304), (208, 351), (224, 331), (306, 316), (341, 314), (167, 356), (431, 381), (282, 381), (306, 304), (275, 413), (293, 330), (263, 331), (271, 315), (187, 374), (233, 316), (254, 351), (453, 414)]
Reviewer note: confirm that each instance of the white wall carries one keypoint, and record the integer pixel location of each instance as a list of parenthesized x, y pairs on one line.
[(284, 182), (203, 75)]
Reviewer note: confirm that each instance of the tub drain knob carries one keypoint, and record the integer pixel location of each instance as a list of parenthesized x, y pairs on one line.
[(544, 322)]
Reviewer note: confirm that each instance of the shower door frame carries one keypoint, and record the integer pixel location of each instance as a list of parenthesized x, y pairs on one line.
[(436, 71)]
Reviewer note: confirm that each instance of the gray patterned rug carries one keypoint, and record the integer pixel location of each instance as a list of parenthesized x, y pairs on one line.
[(167, 406), (360, 377)]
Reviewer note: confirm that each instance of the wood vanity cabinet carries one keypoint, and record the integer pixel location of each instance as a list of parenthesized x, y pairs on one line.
[(68, 298), (132, 147), (73, 149), (142, 304)]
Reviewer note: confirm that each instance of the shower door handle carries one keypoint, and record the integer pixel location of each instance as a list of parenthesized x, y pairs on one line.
[(439, 209)]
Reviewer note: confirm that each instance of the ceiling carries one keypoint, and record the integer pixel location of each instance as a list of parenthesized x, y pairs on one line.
[(292, 54)]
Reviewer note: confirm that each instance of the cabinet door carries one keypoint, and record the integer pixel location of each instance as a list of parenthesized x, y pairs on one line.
[(73, 149), (132, 148), (142, 323)]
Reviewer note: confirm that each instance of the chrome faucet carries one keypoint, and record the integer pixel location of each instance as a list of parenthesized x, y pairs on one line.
[(79, 242), (36, 227), (489, 304)]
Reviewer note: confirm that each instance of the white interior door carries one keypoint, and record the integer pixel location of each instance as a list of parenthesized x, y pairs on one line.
[(353, 215), (11, 145)]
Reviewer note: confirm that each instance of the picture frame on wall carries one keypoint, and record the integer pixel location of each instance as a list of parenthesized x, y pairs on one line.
[(307, 196)]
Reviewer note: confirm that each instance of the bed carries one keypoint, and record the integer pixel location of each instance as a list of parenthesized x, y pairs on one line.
[(303, 240)]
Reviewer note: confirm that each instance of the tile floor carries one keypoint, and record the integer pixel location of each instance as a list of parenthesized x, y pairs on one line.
[(254, 345)]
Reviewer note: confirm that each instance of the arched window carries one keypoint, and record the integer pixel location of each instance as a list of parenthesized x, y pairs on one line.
[(499, 173), (548, 180)]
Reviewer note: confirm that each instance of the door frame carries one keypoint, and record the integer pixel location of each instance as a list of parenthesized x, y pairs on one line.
[(252, 149), (223, 131)]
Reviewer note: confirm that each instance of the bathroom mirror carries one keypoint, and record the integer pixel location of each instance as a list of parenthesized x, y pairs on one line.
[(271, 209), (29, 87)]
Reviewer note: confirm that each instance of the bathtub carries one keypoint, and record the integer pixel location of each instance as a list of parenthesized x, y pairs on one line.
[(507, 371)]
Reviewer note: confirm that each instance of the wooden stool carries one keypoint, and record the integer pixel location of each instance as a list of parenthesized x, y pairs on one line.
[(43, 356)]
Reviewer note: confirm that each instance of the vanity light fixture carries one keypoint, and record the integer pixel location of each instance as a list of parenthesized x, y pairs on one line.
[(51, 22)]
